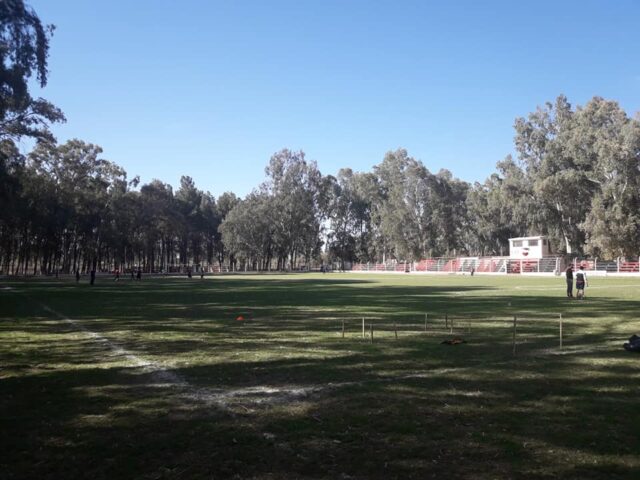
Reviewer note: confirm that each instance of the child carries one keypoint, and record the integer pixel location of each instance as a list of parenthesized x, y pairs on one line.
[(581, 282)]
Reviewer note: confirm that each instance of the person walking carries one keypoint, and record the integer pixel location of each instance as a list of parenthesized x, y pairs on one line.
[(581, 282), (569, 274)]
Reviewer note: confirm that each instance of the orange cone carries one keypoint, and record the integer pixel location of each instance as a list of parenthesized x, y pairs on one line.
[(240, 318)]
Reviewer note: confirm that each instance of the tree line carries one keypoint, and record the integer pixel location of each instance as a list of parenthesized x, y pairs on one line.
[(576, 179)]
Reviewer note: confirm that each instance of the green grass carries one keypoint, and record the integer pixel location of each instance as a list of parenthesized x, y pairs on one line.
[(283, 395)]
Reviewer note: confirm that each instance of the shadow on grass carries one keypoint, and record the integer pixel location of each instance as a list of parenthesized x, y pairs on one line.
[(445, 424), (410, 408)]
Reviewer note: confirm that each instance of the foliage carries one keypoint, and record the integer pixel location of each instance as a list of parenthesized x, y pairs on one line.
[(24, 47)]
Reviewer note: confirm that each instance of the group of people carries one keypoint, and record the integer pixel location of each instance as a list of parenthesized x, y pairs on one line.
[(135, 274), (581, 281)]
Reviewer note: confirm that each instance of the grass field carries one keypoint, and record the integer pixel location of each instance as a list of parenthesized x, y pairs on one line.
[(157, 379)]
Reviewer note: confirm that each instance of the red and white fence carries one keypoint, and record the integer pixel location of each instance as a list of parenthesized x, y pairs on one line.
[(501, 265)]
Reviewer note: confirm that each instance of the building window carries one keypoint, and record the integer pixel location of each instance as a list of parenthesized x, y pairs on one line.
[(517, 243), (533, 243)]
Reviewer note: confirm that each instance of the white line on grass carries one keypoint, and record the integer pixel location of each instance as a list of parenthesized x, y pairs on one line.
[(255, 395), (163, 376), (226, 398), (563, 286), (159, 372)]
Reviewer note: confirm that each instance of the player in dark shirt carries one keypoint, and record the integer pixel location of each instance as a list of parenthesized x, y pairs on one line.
[(569, 275)]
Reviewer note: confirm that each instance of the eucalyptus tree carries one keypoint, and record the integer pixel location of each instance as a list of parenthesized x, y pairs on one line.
[(211, 220), (449, 218), (418, 213), (299, 202), (83, 187), (24, 48), (608, 143), (366, 195), (225, 203), (557, 174), (341, 235), (158, 226), (11, 198), (248, 229), (583, 166), (390, 212), (188, 202), (125, 219), (504, 206)]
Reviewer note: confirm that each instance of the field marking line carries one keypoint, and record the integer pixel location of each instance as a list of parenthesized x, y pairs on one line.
[(563, 287), (164, 376), (159, 372), (257, 395)]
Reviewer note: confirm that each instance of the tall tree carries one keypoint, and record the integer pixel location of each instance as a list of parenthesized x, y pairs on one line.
[(609, 142), (24, 48), (504, 206), (84, 185), (557, 175), (226, 202), (299, 204), (248, 229)]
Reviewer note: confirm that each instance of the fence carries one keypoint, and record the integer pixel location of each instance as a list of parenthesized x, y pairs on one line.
[(502, 265), (494, 265), (517, 333), (604, 267)]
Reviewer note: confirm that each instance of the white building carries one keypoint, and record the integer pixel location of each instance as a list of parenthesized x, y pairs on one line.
[(523, 248)]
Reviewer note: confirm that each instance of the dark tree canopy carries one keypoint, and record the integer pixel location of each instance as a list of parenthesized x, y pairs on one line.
[(24, 49)]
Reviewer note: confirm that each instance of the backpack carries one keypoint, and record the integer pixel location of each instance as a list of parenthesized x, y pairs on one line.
[(633, 345)]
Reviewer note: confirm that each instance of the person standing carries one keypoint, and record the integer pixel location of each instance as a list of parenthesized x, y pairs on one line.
[(569, 274), (581, 282), (92, 276), (77, 275)]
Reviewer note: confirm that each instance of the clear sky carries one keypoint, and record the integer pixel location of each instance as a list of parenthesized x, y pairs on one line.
[(212, 89)]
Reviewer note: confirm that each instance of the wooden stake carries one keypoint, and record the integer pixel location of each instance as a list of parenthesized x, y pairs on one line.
[(343, 328), (446, 320), (395, 329), (426, 317), (371, 326), (560, 331), (515, 321), (363, 334), (451, 325)]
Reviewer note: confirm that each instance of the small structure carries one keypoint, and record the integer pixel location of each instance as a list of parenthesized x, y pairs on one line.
[(529, 248), (532, 255)]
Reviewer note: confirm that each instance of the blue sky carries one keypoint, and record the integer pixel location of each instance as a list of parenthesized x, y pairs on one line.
[(212, 89)]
